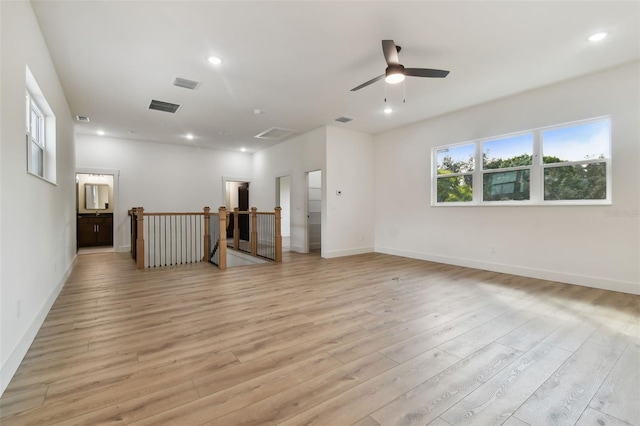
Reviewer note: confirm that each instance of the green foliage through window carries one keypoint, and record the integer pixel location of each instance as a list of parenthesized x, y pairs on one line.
[(570, 163)]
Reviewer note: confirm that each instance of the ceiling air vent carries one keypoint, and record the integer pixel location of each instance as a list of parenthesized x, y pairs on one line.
[(186, 84), (82, 118), (164, 106), (344, 119), (274, 133)]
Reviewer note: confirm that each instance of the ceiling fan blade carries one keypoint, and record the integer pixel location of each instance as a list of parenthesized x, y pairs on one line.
[(390, 52), (425, 72), (373, 80)]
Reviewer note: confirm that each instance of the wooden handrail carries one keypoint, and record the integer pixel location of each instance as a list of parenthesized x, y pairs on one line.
[(174, 214)]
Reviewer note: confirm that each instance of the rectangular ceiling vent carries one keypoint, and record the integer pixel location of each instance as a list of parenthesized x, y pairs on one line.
[(275, 133), (344, 119), (186, 84), (164, 106), (82, 118)]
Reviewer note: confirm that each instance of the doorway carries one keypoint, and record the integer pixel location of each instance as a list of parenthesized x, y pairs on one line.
[(95, 196), (237, 195), (314, 210), (283, 200)]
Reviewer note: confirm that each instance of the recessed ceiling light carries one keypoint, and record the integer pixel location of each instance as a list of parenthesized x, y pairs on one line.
[(598, 37), (243, 149), (189, 136), (388, 110), (100, 132), (214, 60), (257, 111)]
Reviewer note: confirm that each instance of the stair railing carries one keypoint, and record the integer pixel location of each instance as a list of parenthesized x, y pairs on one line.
[(165, 239)]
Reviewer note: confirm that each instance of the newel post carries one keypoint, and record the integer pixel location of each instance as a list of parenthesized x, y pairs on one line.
[(278, 240), (222, 242), (134, 228), (254, 231), (139, 238), (236, 228), (206, 243)]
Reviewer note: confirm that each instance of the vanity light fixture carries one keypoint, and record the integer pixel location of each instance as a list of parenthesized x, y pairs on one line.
[(189, 136)]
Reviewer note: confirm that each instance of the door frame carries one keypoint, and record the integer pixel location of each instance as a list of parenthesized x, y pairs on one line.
[(226, 179), (307, 242), (116, 203), (278, 192)]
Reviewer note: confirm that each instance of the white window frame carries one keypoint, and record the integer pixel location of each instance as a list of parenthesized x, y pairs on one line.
[(38, 139), (536, 174), (45, 139)]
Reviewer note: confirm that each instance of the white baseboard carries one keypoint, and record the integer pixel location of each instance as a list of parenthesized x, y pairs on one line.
[(15, 358), (348, 252), (123, 249), (563, 277)]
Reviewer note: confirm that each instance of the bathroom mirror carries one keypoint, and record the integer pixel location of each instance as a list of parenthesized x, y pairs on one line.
[(96, 196)]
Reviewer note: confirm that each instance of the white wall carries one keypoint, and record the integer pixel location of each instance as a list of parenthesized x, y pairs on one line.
[(37, 219), (160, 177), (285, 205), (586, 245), (350, 170), (294, 158)]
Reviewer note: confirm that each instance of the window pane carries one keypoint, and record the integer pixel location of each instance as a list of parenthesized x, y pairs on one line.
[(457, 159), (35, 125), (37, 157), (455, 189), (581, 182), (513, 151), (575, 143), (506, 186)]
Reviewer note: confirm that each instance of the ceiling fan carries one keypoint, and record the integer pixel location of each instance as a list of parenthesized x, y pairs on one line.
[(396, 72)]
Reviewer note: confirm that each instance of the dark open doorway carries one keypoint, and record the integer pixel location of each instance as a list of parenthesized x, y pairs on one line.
[(237, 195)]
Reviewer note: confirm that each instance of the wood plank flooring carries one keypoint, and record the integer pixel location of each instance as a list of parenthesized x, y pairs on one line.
[(368, 340)]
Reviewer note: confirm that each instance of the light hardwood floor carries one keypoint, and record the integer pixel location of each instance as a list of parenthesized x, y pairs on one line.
[(366, 340)]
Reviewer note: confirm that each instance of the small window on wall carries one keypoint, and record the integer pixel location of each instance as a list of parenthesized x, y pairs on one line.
[(563, 164), (40, 132)]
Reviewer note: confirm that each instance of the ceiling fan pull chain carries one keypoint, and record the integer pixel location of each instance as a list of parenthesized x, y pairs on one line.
[(404, 91)]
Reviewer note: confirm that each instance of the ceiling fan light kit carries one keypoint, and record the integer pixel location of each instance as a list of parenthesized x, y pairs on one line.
[(394, 74)]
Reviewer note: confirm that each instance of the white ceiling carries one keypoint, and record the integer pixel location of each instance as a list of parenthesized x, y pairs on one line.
[(297, 61)]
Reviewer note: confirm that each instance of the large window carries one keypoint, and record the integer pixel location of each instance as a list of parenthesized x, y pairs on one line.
[(565, 164), (40, 132)]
